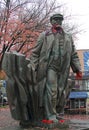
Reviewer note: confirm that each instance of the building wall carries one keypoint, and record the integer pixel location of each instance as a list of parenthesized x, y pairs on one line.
[(80, 54), (81, 58), (84, 84)]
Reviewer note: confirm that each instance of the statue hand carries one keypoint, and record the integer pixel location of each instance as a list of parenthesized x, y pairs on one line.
[(78, 75)]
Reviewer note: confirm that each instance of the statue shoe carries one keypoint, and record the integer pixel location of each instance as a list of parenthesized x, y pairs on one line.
[(50, 124), (25, 124), (63, 123)]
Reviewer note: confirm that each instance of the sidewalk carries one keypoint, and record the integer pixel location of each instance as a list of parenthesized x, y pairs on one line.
[(5, 118), (78, 122)]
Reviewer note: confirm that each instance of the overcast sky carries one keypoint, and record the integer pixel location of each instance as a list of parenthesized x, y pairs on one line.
[(80, 10)]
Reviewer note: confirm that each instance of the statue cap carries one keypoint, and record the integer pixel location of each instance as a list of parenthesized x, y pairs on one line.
[(60, 16)]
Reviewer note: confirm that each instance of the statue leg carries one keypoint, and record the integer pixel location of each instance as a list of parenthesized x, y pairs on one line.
[(51, 95)]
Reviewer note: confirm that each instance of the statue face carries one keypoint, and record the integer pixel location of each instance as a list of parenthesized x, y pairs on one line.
[(56, 21)]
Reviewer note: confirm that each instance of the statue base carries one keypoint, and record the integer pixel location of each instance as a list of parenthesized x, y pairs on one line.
[(62, 125), (72, 125), (52, 125)]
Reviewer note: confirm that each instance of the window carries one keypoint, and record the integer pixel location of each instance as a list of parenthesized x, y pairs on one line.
[(76, 103), (82, 103), (81, 85)]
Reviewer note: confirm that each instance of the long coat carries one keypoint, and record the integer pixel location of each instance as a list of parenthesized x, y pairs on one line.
[(41, 56)]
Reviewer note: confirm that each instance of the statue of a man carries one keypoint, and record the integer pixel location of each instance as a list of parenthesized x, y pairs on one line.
[(37, 86), (50, 61)]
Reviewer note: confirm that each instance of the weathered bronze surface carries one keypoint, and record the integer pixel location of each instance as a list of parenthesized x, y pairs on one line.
[(37, 87)]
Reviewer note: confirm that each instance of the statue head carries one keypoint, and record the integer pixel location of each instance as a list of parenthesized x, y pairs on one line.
[(56, 19)]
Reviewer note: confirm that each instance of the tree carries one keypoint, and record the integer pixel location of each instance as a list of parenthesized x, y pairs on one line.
[(21, 21)]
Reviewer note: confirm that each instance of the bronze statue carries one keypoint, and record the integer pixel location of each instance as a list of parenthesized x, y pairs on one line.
[(40, 85)]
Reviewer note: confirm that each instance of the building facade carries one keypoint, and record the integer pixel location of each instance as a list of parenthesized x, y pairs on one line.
[(78, 100)]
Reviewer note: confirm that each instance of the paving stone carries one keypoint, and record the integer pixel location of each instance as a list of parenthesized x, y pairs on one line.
[(78, 122)]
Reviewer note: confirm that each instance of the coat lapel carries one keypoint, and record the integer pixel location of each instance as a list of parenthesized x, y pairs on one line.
[(49, 43)]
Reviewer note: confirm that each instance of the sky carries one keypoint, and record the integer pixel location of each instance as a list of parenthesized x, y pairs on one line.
[(79, 9)]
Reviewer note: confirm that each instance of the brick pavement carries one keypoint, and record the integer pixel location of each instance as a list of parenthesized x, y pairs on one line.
[(6, 119), (8, 123)]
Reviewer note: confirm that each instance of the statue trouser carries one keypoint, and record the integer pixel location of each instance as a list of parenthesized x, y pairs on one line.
[(51, 95)]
